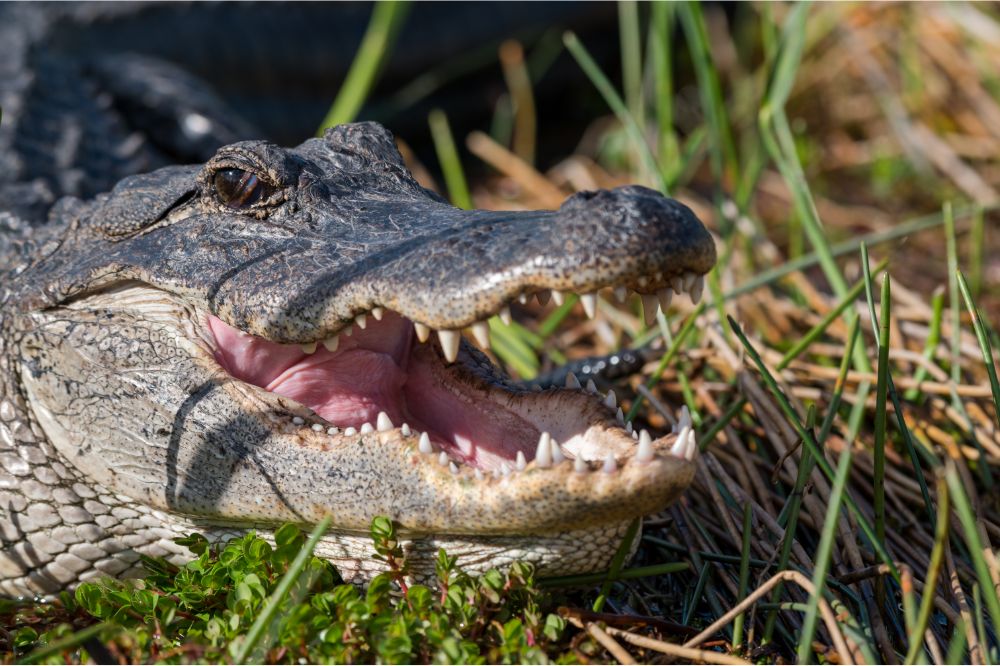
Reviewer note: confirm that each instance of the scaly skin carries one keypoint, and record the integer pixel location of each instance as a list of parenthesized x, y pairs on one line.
[(120, 430)]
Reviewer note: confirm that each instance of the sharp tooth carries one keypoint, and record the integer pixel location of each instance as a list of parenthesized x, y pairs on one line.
[(572, 382), (628, 427), (383, 423), (333, 430), (610, 465), (692, 447), (665, 296), (591, 387), (309, 347), (677, 284), (424, 445), (423, 332), (377, 313), (689, 280), (298, 420), (635, 435), (453, 468), (350, 432), (543, 454), (543, 297), (505, 315), (557, 453), (609, 400), (481, 332), (557, 297), (449, 343), (520, 462), (317, 427), (620, 415), (621, 293), (523, 299), (645, 452), (643, 281), (479, 474), (331, 343), (589, 304), (679, 447), (348, 330), (361, 320), (649, 307), (504, 469), (366, 428), (697, 288), (406, 430), (443, 459), (580, 465)]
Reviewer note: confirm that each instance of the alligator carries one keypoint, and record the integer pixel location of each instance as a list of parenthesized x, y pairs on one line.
[(277, 335)]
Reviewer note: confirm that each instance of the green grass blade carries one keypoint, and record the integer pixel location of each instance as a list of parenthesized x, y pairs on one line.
[(625, 574), (630, 43), (744, 578), (617, 106), (387, 18), (447, 154), (984, 342), (273, 604), (63, 645), (616, 563), (512, 349), (916, 637), (823, 554), (931, 344), (661, 55), (881, 419), (977, 247)]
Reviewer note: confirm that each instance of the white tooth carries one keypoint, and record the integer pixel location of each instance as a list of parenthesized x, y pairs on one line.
[(543, 297), (333, 430), (609, 400), (692, 447), (377, 313), (449, 343), (697, 288), (481, 332), (557, 452), (504, 469), (479, 474), (298, 420), (423, 332), (658, 276), (620, 415), (348, 330), (591, 387), (366, 428), (643, 281), (523, 299), (635, 435), (665, 296), (557, 297), (543, 454), (679, 447), (580, 465), (424, 445), (621, 293), (645, 452), (610, 465), (520, 462), (361, 320), (505, 315), (589, 304), (350, 431), (572, 382), (317, 427), (383, 422), (453, 468), (649, 306), (331, 343), (443, 459), (628, 427), (689, 280), (677, 284), (406, 430), (308, 348)]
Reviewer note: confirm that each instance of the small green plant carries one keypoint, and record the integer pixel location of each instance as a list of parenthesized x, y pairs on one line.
[(203, 611)]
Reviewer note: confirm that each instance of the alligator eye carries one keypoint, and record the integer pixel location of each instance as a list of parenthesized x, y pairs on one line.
[(237, 188)]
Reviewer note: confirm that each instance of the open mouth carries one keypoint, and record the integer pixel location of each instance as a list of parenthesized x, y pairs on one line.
[(382, 373)]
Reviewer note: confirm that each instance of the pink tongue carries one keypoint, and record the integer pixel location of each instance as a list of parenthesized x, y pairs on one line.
[(350, 386)]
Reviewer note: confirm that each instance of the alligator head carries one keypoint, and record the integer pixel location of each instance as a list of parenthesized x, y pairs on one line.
[(250, 342)]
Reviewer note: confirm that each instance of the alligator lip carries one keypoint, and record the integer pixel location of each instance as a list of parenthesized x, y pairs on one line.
[(377, 374)]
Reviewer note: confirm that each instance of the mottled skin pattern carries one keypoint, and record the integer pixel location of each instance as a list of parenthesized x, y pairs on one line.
[(119, 431)]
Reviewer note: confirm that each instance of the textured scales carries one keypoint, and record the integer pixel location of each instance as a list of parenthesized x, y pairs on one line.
[(134, 328)]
